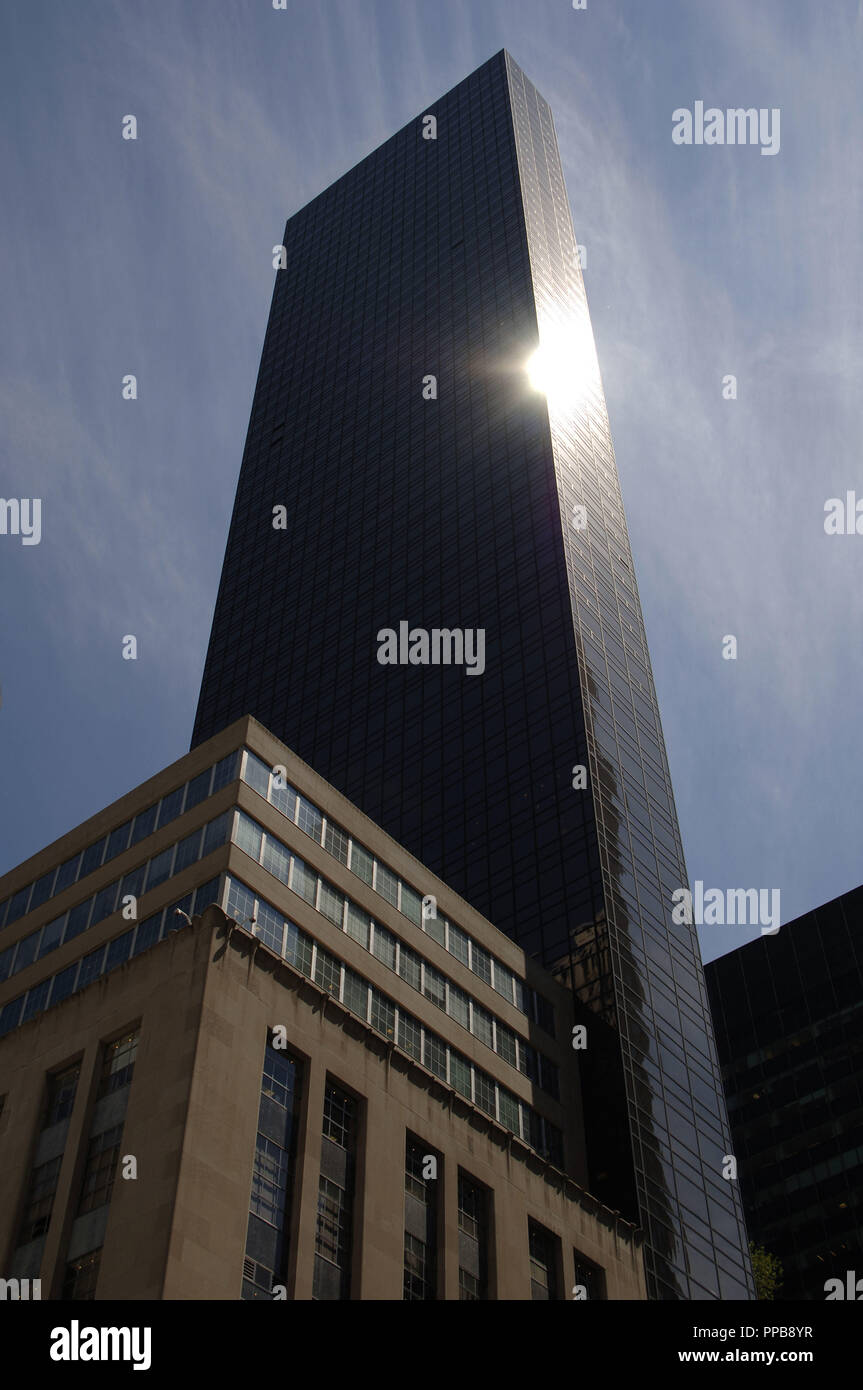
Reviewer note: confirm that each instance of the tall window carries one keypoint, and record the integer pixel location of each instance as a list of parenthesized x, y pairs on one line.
[(36, 1216), (103, 1147), (590, 1276), (422, 1175), (335, 1195), (272, 1197), (79, 1282), (118, 1062), (544, 1262), (62, 1086), (473, 1227), (60, 1092), (100, 1170)]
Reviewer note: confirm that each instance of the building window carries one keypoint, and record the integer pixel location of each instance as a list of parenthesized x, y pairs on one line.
[(100, 1171), (336, 842), (331, 1279), (421, 1207), (62, 1086), (36, 1216), (118, 1064), (79, 1283), (544, 1263), (589, 1276), (474, 1202), (272, 1199)]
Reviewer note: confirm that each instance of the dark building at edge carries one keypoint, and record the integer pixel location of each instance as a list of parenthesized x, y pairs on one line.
[(788, 1014)]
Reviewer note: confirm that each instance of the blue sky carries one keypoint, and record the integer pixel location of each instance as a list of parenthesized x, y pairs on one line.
[(154, 257)]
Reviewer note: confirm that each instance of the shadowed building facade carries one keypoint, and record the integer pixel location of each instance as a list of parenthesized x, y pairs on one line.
[(788, 1011), (241, 1058), (426, 481)]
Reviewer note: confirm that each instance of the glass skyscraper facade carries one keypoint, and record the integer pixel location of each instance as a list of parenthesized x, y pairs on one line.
[(425, 480)]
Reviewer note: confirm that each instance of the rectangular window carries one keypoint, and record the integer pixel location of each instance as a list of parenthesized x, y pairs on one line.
[(434, 1055), (160, 869), (383, 1017), (310, 819), (100, 1169), (460, 1074), (273, 1177), (118, 1064), (356, 994), (298, 949), (216, 833), (480, 962), (36, 1216), (277, 860), (362, 863), (410, 966), (434, 986), (384, 946), (411, 905), (327, 971), (81, 1277), (481, 1025), (66, 874), (331, 904), (197, 790), (304, 880), (270, 927), (256, 774), (474, 1202), (410, 1036), (248, 835), (386, 884), (188, 851), (359, 924), (171, 806), (422, 1176), (145, 824), (484, 1091), (27, 948), (225, 771), (331, 1279), (589, 1278), (93, 855), (284, 798), (118, 840), (457, 943), (336, 842), (544, 1263), (77, 920)]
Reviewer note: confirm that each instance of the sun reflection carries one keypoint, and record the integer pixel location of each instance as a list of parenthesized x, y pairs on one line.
[(564, 366)]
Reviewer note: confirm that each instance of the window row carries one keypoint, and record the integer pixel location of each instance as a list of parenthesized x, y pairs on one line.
[(105, 958), (389, 949), (175, 804), (390, 1020), (98, 906), (421, 911)]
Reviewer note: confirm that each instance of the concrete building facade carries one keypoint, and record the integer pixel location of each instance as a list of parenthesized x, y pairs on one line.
[(251, 1048)]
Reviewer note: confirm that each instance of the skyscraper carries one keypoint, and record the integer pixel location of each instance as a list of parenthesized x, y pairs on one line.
[(429, 452)]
